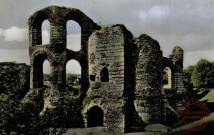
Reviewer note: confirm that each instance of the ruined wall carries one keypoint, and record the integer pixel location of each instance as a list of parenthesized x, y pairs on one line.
[(174, 66), (175, 94), (106, 50), (148, 80), (56, 52), (135, 68), (121, 80), (14, 77)]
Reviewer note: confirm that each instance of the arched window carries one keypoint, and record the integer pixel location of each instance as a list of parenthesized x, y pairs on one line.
[(45, 32), (95, 117), (167, 78), (104, 75), (73, 73), (73, 36), (46, 71)]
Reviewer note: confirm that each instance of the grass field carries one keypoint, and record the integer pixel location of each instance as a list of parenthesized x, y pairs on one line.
[(209, 129), (209, 97)]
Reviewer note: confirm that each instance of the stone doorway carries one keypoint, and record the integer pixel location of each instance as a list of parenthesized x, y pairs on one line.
[(95, 117)]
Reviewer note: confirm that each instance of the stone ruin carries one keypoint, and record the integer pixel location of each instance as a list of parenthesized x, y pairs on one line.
[(121, 75)]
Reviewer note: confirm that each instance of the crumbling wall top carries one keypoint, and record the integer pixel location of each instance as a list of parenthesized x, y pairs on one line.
[(56, 14), (149, 41), (178, 51)]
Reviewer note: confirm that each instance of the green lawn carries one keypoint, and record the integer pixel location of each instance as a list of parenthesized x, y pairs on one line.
[(209, 97), (208, 130)]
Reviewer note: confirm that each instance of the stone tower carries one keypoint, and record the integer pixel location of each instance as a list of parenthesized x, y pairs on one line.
[(107, 76)]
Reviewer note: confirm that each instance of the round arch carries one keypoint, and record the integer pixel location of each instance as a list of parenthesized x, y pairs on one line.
[(45, 30), (73, 73), (38, 17), (73, 36), (95, 117), (168, 72), (84, 21), (35, 24)]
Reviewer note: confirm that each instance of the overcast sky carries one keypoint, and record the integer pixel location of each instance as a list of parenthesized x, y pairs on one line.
[(185, 23)]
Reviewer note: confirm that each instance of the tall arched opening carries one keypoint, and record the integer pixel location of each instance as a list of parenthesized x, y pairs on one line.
[(73, 35), (46, 71), (167, 78), (73, 76), (45, 32)]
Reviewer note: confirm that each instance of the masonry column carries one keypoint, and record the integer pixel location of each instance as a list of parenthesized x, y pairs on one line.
[(58, 52), (58, 76), (148, 80), (58, 37), (177, 75)]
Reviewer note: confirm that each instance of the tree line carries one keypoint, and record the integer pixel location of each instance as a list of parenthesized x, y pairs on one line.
[(199, 78)]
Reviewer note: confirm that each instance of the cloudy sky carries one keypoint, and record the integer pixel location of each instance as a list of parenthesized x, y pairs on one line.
[(189, 24)]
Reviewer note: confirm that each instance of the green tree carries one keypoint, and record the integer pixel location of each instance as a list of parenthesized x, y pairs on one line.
[(202, 76), (187, 77), (187, 81)]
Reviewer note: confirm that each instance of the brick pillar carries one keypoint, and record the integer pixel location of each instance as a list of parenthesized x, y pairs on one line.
[(58, 37), (148, 80), (58, 76), (35, 35), (177, 74)]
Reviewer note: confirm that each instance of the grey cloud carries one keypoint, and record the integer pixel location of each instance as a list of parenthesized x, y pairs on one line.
[(19, 55), (171, 22)]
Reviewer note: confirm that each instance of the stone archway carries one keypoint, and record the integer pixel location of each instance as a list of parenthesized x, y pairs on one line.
[(56, 50), (95, 117), (168, 84)]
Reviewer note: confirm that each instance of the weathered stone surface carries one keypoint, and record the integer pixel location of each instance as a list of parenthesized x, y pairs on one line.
[(148, 80), (107, 48)]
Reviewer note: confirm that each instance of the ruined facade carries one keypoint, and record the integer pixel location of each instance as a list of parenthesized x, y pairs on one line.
[(122, 76)]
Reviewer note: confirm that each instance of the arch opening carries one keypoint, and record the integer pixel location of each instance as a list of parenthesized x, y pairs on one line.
[(45, 32), (104, 75), (73, 76), (46, 71), (167, 78), (95, 117), (73, 36)]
